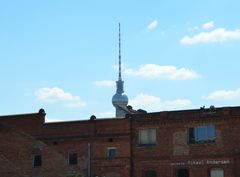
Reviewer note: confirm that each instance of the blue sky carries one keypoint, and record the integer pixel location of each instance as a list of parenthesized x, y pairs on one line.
[(62, 55)]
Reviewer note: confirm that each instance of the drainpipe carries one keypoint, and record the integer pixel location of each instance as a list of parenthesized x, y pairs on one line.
[(132, 167), (89, 160)]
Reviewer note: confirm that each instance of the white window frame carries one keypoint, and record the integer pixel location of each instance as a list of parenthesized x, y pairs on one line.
[(109, 149)]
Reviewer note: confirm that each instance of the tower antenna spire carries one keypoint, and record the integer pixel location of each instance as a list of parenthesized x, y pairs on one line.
[(119, 54), (119, 99)]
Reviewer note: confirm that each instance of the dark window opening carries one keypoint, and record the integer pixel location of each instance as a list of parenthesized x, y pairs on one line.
[(183, 173), (150, 173), (110, 140), (37, 161), (111, 152), (72, 158)]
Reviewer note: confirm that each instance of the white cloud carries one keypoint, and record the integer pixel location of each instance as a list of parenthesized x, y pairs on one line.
[(106, 114), (217, 35), (153, 103), (208, 25), (223, 95), (47, 119), (145, 101), (152, 25), (56, 94), (104, 83), (152, 71)]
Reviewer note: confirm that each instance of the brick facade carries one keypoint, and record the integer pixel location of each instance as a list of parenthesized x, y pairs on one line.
[(172, 150), (187, 143), (17, 152)]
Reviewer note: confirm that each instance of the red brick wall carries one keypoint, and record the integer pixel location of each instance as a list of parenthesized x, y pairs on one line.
[(17, 150), (172, 143), (75, 136), (171, 152), (29, 123)]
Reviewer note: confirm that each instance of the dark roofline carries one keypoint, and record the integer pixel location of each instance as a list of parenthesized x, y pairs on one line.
[(85, 120), (121, 118), (40, 112), (20, 115), (194, 110)]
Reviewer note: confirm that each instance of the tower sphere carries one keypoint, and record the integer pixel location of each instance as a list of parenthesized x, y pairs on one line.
[(119, 99)]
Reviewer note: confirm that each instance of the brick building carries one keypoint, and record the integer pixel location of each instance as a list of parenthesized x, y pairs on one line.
[(187, 143), (22, 155), (35, 148)]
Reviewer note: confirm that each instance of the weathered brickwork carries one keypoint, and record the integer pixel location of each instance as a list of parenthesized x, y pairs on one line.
[(187, 143), (172, 151), (17, 152)]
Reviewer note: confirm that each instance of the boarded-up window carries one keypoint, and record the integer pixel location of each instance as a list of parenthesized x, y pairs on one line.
[(147, 136), (217, 172)]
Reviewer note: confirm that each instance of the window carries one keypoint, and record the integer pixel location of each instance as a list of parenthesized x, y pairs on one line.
[(201, 134), (111, 152), (72, 158), (150, 173), (37, 160), (147, 136), (183, 173), (217, 172)]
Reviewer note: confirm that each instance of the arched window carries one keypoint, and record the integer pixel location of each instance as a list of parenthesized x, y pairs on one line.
[(217, 172)]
